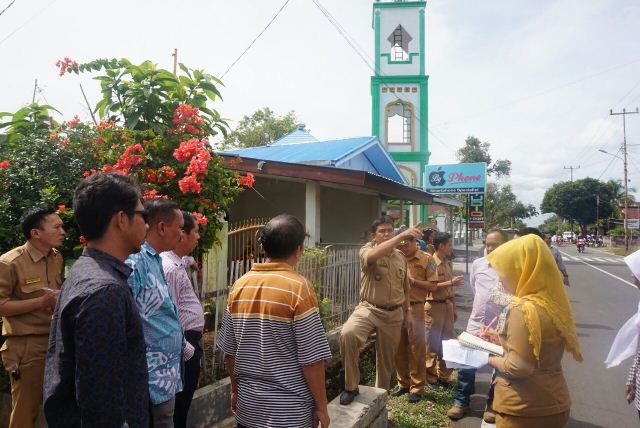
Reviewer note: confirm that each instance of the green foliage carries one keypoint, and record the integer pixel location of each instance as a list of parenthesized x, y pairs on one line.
[(261, 128), (503, 209), (44, 167), (431, 412), (144, 97), (577, 200), (475, 150)]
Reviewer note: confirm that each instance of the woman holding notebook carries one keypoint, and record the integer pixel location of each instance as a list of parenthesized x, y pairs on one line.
[(537, 327)]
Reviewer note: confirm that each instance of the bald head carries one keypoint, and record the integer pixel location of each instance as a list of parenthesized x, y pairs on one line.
[(282, 236)]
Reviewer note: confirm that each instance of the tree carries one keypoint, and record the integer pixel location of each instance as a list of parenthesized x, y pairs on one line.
[(617, 188), (475, 150), (503, 209), (577, 201), (261, 128)]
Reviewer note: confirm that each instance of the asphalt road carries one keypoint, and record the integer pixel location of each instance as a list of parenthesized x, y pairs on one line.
[(602, 301), (601, 304)]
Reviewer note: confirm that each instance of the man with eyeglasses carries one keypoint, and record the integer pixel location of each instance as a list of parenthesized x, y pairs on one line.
[(384, 306), (162, 329), (96, 369)]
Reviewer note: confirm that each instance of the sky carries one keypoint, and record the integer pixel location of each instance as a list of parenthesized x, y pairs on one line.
[(535, 79)]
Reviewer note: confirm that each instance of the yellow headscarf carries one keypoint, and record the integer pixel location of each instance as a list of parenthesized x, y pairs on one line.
[(527, 263)]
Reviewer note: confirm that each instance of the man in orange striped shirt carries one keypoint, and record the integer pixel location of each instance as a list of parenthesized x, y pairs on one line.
[(273, 339)]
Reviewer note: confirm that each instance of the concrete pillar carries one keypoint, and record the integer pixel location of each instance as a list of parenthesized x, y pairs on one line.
[(312, 212)]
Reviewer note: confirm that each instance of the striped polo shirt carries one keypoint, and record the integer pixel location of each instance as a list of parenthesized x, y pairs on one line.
[(272, 327)]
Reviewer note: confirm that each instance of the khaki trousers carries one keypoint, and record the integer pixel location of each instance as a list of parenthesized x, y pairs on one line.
[(412, 353), (439, 318), (27, 354), (558, 420), (365, 320)]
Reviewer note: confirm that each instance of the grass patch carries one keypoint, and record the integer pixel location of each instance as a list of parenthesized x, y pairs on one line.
[(431, 412)]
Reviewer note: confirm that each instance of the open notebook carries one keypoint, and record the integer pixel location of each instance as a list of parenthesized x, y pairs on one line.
[(475, 342)]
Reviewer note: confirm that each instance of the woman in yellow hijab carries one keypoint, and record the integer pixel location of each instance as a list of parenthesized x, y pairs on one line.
[(530, 389)]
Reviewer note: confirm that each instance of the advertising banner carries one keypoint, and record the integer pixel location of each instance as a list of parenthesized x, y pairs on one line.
[(461, 178), (476, 211)]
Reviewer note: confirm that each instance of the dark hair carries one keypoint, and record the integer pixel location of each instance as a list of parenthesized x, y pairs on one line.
[(426, 234), (281, 236), (189, 221), (530, 231), (160, 209), (385, 219), (442, 238), (98, 197), (503, 235), (33, 218)]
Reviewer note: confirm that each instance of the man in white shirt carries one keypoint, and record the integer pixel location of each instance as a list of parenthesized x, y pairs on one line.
[(558, 258), (484, 313)]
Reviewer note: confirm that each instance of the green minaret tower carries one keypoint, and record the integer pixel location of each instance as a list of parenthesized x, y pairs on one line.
[(399, 89)]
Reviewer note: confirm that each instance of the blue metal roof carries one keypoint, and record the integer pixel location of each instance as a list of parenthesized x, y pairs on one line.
[(297, 136), (361, 153)]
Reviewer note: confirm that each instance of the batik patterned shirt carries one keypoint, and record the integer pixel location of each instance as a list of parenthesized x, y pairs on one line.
[(162, 329)]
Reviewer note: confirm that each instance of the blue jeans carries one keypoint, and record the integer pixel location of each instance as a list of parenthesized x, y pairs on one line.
[(466, 386)]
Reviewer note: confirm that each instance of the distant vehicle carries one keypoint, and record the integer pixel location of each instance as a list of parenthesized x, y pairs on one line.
[(567, 236)]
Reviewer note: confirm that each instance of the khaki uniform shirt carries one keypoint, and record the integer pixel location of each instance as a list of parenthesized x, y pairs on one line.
[(440, 271), (384, 282), (524, 385), (419, 265), (24, 272)]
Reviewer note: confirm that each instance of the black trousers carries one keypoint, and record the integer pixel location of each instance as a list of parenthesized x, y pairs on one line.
[(190, 380)]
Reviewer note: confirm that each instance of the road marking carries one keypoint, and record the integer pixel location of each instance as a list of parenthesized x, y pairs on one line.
[(584, 258), (603, 271), (599, 259)]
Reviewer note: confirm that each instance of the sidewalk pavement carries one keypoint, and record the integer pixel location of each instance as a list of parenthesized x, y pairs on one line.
[(464, 303)]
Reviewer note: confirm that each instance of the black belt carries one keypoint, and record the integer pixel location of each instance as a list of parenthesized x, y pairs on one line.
[(439, 301), (417, 302), (385, 308)]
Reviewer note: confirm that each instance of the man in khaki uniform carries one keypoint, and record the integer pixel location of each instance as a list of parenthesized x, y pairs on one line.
[(30, 279), (384, 306), (440, 309), (412, 351)]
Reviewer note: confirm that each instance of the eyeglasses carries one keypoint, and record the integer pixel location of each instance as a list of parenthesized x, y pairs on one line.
[(143, 213)]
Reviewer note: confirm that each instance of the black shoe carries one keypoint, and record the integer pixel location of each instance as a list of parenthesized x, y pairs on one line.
[(434, 386), (400, 391), (444, 384), (347, 397), (414, 398)]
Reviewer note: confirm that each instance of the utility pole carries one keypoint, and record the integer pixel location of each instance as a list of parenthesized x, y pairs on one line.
[(624, 114), (35, 88), (572, 168), (175, 61), (597, 215)]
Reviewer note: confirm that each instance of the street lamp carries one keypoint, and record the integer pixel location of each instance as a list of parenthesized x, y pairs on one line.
[(626, 196)]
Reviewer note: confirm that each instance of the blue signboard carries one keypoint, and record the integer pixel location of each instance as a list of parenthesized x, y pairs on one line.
[(461, 178)]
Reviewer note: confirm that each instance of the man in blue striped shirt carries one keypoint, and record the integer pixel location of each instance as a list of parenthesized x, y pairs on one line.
[(162, 329)]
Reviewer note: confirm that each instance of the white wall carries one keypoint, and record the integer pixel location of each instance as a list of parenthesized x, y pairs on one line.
[(409, 18)]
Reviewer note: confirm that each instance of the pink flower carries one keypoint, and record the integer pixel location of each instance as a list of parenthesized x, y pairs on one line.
[(189, 184), (200, 218), (5, 164), (73, 122), (247, 181)]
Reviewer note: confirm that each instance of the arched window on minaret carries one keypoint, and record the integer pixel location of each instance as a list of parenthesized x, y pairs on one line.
[(399, 122), (399, 40)]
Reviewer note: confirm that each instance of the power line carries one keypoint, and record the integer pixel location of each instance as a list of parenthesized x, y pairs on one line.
[(256, 38), (35, 15), (360, 52), (610, 163), (572, 168), (8, 6)]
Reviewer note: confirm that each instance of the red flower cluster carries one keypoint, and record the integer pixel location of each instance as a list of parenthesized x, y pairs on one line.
[(62, 207), (104, 124), (247, 180), (189, 183), (5, 164), (83, 241), (166, 173), (200, 218), (187, 119), (66, 64), (129, 159), (187, 149), (73, 122), (198, 163), (64, 142), (153, 194)]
